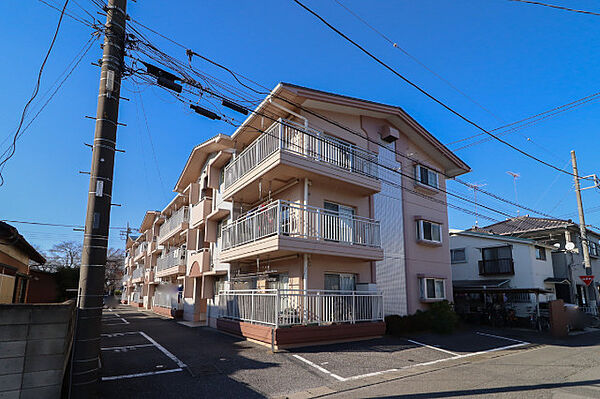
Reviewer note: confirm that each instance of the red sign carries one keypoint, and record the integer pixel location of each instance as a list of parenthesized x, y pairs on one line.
[(587, 279)]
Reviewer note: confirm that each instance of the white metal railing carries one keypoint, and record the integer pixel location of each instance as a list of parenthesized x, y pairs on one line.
[(173, 222), (294, 307), (171, 259), (295, 220), (140, 249), (294, 138), (593, 310), (137, 273), (167, 300), (137, 297)]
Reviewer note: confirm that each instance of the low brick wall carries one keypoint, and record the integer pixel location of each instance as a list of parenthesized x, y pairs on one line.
[(35, 343), (302, 335)]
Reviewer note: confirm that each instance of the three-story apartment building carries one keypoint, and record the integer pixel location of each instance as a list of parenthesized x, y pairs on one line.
[(318, 209)]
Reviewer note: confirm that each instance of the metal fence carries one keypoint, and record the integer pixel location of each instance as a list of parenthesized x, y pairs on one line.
[(167, 300), (294, 138), (171, 259), (174, 221), (593, 310), (300, 307), (295, 220), (137, 273)]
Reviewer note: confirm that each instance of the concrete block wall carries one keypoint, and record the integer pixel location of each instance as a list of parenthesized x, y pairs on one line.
[(35, 342)]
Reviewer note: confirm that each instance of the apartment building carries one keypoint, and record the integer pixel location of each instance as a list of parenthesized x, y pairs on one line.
[(319, 209)]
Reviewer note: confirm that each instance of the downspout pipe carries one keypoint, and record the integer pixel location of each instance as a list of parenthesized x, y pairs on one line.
[(289, 111)]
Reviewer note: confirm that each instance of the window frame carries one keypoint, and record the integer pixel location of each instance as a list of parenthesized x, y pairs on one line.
[(452, 251), (542, 255), (430, 172), (423, 288), (421, 232)]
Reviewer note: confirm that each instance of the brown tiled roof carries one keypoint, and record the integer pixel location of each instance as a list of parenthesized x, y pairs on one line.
[(10, 236), (522, 224)]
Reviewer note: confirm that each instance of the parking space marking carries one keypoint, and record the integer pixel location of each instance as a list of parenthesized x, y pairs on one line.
[(497, 336), (117, 316), (454, 357), (119, 377), (321, 369), (116, 348), (153, 343), (433, 347), (163, 350)]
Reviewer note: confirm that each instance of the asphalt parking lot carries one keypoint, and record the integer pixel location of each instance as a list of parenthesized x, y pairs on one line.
[(146, 355)]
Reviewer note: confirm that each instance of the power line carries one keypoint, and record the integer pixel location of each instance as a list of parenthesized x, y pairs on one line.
[(13, 146), (427, 94), (557, 7), (415, 59), (175, 66), (76, 226)]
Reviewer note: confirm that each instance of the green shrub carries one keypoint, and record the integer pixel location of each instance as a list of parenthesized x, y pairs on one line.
[(117, 293), (440, 318)]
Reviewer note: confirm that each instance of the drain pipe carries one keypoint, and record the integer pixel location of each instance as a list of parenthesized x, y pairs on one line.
[(289, 111), (305, 260)]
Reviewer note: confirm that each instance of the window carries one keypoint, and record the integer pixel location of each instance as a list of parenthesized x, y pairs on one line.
[(340, 282), (432, 288), (429, 231), (338, 224), (496, 260), (458, 255), (593, 248), (426, 176), (540, 253)]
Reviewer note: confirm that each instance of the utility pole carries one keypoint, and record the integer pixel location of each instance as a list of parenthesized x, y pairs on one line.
[(85, 375), (582, 229)]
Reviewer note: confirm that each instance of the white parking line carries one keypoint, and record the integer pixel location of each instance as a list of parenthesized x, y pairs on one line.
[(497, 336), (152, 343), (456, 356), (321, 369), (432, 347), (116, 348), (119, 377)]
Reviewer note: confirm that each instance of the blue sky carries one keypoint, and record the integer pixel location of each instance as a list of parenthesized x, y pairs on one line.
[(514, 59)]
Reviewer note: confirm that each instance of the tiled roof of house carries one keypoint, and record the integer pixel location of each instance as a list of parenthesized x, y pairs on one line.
[(10, 236), (522, 224)]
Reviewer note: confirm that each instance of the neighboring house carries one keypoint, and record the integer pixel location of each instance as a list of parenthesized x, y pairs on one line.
[(296, 203), (568, 265), (514, 264), (16, 254)]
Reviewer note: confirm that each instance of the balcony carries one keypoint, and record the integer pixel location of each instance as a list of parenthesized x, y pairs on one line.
[(288, 228), (200, 211), (138, 275), (140, 251), (489, 267), (172, 262), (289, 144), (173, 225)]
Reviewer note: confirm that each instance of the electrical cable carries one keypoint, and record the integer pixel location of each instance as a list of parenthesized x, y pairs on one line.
[(33, 96), (427, 94), (557, 7)]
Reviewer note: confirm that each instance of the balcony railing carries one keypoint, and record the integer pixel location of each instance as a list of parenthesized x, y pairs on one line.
[(171, 259), (496, 266), (294, 307), (293, 138), (294, 220), (140, 249), (173, 222), (137, 273)]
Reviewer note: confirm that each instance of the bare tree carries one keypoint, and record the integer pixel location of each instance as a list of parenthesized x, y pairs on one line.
[(65, 254), (115, 262)]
